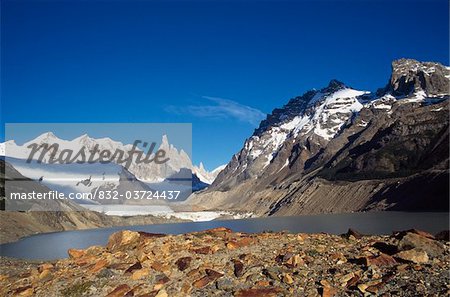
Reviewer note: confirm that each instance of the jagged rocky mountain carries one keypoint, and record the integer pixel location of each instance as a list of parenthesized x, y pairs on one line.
[(85, 178), (150, 172), (339, 149)]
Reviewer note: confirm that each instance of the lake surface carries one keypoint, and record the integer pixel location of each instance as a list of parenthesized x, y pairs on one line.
[(55, 245)]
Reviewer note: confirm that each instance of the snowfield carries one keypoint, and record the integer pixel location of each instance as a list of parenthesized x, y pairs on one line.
[(164, 211)]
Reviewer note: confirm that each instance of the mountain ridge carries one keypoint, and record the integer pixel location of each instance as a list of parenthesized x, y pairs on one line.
[(338, 135), (142, 171)]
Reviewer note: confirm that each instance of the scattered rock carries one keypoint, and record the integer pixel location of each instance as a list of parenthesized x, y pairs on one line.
[(345, 278), (45, 266), (402, 268), (328, 291), (217, 232), (95, 250), (352, 282), (161, 279), (134, 267), (146, 235), (123, 240), (413, 255), (234, 244), (295, 261), (272, 272), (401, 234), (411, 240), (211, 275), (287, 279), (158, 266), (27, 292), (269, 292), (238, 268), (225, 284), (374, 289), (76, 254), (263, 283), (246, 241), (141, 273), (105, 273), (45, 275), (279, 265), (363, 287), (381, 260), (443, 235), (386, 248), (24, 291), (352, 233), (119, 291), (98, 266), (203, 250), (183, 263), (200, 283), (162, 293)]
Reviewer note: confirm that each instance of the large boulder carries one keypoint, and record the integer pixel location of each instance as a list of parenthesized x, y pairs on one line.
[(415, 241), (415, 255), (123, 240)]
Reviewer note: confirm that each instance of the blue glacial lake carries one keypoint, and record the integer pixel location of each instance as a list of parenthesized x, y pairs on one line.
[(50, 246)]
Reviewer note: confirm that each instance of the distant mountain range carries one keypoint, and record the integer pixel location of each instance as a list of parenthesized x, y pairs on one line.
[(339, 149), (85, 177)]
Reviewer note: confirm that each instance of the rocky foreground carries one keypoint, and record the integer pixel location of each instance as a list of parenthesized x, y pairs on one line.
[(219, 262)]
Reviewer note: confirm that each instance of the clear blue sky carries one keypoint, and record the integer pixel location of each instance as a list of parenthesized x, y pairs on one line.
[(216, 64)]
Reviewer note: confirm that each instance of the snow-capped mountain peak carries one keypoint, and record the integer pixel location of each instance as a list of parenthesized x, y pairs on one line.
[(149, 172), (205, 175), (46, 137), (303, 128), (81, 137), (332, 111), (165, 142), (318, 114), (308, 122)]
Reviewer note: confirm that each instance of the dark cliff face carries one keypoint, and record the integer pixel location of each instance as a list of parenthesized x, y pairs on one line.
[(338, 134), (411, 140), (409, 76)]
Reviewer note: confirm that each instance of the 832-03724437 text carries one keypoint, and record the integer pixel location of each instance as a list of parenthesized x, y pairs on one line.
[(137, 195), (99, 195)]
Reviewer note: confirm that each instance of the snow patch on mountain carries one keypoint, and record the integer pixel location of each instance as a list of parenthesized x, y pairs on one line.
[(165, 211), (323, 115), (334, 110)]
